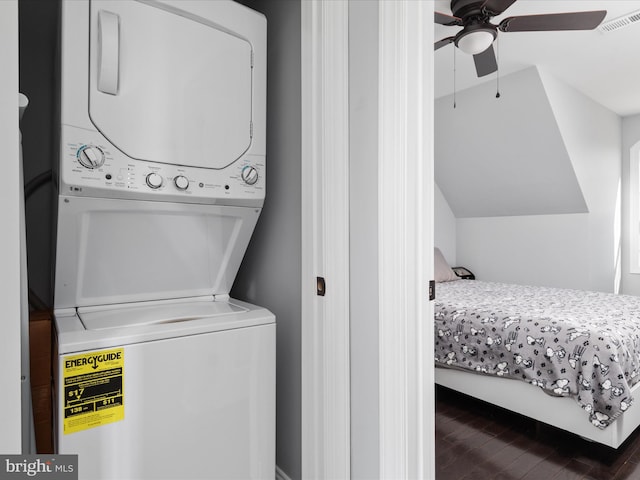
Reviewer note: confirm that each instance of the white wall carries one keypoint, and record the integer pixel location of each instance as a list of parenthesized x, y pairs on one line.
[(444, 225), (364, 311), (564, 250), (270, 273), (630, 136), (548, 250), (10, 399), (593, 137)]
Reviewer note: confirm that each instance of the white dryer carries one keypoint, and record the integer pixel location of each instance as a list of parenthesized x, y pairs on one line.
[(161, 180)]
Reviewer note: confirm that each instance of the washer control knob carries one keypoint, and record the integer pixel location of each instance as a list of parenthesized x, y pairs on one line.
[(154, 180), (90, 156), (181, 182), (249, 175)]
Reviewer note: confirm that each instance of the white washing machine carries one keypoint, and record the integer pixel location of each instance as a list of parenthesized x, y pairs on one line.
[(161, 180)]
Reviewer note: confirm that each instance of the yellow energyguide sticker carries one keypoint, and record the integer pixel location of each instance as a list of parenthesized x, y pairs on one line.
[(93, 389)]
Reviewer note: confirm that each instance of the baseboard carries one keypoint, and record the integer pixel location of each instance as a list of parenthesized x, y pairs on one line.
[(280, 475)]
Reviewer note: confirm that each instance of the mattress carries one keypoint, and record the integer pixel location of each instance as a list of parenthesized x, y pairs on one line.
[(569, 343)]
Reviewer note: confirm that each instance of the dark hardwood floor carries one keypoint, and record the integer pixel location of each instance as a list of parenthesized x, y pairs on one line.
[(478, 441)]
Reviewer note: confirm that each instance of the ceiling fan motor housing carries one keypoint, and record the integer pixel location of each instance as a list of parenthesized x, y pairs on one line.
[(464, 8)]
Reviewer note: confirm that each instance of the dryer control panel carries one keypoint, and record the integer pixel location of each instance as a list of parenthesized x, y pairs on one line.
[(91, 166)]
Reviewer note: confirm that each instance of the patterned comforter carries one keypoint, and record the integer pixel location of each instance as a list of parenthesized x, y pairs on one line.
[(570, 343)]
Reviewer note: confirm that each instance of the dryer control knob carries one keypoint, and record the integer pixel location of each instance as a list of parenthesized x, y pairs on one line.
[(90, 156), (181, 182), (154, 180), (249, 175)]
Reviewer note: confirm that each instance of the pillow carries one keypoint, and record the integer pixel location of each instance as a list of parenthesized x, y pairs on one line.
[(441, 268)]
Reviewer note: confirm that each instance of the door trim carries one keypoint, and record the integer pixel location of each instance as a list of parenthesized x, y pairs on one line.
[(405, 233), (325, 240), (405, 222)]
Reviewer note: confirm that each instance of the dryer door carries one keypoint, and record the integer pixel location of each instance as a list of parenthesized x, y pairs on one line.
[(169, 86)]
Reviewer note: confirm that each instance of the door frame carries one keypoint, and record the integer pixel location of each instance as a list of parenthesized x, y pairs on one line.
[(10, 357), (405, 258), (325, 240), (405, 217)]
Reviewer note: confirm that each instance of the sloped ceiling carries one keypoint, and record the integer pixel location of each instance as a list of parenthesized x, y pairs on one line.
[(504, 156)]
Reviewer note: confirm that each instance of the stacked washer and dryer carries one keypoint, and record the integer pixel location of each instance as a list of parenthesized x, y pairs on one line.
[(161, 180)]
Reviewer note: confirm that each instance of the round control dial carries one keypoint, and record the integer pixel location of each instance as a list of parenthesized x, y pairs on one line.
[(90, 156), (154, 180), (249, 175), (181, 182)]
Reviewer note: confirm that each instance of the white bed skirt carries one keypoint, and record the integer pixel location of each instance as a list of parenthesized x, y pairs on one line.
[(531, 401)]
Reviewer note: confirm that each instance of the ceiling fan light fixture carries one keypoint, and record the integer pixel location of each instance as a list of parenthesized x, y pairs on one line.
[(476, 41)]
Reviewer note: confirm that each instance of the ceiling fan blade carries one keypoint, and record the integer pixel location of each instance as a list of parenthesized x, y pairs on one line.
[(485, 62), (553, 21), (496, 7), (443, 42), (448, 20)]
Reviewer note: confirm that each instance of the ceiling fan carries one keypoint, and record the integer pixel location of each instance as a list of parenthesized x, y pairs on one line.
[(478, 33)]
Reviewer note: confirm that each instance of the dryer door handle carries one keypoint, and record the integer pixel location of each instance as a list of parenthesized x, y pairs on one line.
[(108, 52)]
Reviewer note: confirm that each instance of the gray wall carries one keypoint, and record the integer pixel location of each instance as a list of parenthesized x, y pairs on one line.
[(38, 39), (444, 227), (363, 177), (270, 273), (504, 156)]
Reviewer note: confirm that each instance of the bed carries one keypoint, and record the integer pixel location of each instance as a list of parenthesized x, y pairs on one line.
[(567, 358)]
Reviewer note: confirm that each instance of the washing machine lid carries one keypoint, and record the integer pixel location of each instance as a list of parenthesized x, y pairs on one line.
[(171, 313), (91, 328), (112, 251), (169, 86)]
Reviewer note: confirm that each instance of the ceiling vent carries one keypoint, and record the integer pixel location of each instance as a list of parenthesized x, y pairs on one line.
[(620, 22)]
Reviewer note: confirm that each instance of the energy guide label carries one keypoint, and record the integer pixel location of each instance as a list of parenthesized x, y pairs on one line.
[(93, 389)]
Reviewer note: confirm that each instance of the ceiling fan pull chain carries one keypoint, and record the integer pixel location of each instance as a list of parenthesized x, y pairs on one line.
[(454, 77), (498, 67)]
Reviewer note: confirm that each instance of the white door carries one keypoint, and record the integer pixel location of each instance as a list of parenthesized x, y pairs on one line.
[(168, 86)]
